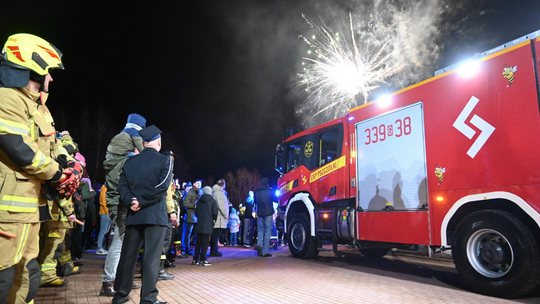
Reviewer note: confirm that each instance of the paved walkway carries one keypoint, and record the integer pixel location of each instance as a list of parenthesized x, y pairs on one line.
[(242, 277)]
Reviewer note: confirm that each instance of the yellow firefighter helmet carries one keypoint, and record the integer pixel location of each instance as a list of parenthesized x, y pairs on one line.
[(32, 53)]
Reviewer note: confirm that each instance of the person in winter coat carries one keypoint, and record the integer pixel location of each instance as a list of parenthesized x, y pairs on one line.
[(264, 204), (207, 213), (105, 221), (122, 146), (218, 192), (249, 221), (190, 203), (234, 223)]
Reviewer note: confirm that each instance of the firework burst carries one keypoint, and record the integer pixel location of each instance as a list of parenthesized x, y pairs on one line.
[(342, 73)]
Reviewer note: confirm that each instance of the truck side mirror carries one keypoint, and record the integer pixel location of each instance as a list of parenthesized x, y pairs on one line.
[(278, 163)]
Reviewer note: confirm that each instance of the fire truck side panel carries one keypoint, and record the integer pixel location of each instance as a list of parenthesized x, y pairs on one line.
[(482, 131), (394, 227), (502, 113)]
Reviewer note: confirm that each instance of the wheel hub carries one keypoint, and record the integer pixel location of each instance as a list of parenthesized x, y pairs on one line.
[(490, 253), (298, 236)]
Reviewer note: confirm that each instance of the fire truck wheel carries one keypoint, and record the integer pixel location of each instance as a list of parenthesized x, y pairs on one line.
[(301, 243), (375, 252), (496, 254)]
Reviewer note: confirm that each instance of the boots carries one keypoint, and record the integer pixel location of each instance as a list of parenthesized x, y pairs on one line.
[(107, 289), (56, 283)]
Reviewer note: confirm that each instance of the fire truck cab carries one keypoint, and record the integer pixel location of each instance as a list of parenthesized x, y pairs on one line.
[(451, 163)]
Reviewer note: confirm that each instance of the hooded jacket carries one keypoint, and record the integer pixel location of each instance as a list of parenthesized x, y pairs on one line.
[(206, 212), (223, 207)]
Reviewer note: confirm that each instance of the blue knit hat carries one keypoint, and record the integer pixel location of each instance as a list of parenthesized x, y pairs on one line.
[(137, 119)]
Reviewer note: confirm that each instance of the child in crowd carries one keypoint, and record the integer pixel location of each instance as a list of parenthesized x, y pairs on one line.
[(234, 222)]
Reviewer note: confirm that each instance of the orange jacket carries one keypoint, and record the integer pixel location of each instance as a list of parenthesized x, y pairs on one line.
[(102, 202)]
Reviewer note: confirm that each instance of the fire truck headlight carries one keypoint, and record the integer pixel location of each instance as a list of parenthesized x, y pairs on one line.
[(278, 193), (468, 69), (384, 101)]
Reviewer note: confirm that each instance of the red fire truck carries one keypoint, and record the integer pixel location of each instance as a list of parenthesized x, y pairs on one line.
[(452, 163)]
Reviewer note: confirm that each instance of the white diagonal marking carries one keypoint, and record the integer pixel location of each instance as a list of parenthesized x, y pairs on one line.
[(460, 121), (486, 129)]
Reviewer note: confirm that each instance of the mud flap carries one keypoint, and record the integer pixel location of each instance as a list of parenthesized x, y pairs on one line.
[(6, 281)]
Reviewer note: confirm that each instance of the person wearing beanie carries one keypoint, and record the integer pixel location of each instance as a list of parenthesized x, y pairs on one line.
[(122, 146), (264, 205), (143, 185), (206, 212)]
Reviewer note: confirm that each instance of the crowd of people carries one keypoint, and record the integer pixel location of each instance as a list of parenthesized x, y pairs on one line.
[(50, 212)]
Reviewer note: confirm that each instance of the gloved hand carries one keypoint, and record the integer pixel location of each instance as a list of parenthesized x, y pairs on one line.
[(70, 182)]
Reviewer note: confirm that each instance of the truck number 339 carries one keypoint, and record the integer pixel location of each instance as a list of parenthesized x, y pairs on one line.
[(382, 132)]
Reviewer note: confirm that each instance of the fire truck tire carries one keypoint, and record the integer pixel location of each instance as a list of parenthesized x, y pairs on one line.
[(496, 254), (301, 243), (375, 252)]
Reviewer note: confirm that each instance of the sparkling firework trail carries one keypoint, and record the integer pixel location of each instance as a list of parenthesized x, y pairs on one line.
[(341, 72)]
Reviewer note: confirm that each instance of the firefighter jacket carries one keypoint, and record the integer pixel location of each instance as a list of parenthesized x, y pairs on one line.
[(60, 210), (28, 150), (169, 199)]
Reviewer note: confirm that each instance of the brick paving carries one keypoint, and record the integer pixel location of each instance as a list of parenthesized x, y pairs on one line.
[(242, 277)]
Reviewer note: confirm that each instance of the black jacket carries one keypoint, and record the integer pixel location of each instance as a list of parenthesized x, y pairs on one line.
[(206, 213), (147, 177), (264, 201), (248, 213)]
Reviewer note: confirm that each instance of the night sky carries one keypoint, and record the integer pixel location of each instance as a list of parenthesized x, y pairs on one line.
[(218, 77)]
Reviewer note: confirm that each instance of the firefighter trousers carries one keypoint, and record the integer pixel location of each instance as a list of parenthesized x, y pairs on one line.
[(64, 260), (51, 240), (19, 269)]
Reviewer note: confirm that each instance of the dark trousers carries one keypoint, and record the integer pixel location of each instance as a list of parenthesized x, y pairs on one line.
[(201, 247), (224, 239), (152, 236), (188, 227), (167, 241), (249, 233), (215, 237)]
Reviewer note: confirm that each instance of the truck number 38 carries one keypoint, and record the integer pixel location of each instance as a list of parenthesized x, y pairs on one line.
[(380, 133)]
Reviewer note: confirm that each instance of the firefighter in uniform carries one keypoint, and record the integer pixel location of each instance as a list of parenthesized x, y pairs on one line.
[(52, 238), (32, 168)]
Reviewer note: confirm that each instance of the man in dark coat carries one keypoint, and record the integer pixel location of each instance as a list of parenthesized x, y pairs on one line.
[(264, 203), (142, 187), (206, 212)]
